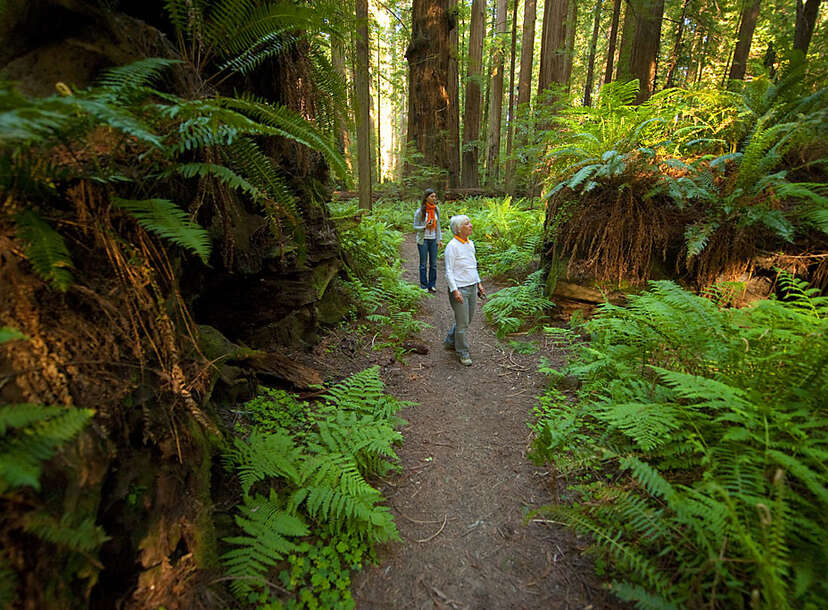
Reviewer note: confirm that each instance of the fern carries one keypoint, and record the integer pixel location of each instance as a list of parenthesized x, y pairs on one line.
[(267, 531), (316, 474), (32, 434), (70, 532), (46, 250), (714, 419), (165, 219)]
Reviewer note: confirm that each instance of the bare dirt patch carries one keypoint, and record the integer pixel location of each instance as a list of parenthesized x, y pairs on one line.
[(465, 484)]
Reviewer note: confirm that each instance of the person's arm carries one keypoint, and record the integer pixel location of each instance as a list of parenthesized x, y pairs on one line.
[(439, 230), (450, 280), (419, 221)]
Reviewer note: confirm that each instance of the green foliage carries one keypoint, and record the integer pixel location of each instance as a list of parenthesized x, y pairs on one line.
[(313, 464), (518, 307), (167, 220), (46, 250), (30, 435), (371, 250), (707, 425), (507, 234)]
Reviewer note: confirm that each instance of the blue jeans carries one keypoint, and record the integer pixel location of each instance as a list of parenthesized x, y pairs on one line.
[(428, 258), (463, 314)]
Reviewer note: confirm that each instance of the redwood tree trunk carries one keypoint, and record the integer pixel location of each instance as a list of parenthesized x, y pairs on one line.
[(805, 21), (596, 24), (553, 44), (363, 105), (496, 95), (571, 29), (750, 12), (639, 45), (511, 114), (527, 52), (613, 37), (431, 105), (471, 116), (343, 138), (675, 54)]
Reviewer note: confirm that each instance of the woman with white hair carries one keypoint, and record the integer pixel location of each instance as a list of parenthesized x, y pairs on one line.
[(464, 285)]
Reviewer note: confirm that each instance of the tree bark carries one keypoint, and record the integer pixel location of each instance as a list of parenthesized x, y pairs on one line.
[(613, 37), (511, 114), (431, 105), (496, 95), (674, 55), (639, 45), (343, 138), (571, 30), (750, 12), (471, 116), (596, 24), (553, 44), (527, 52), (454, 95), (806, 16), (363, 105), (379, 113)]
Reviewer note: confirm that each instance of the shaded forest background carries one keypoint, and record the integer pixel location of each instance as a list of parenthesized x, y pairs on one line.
[(167, 235)]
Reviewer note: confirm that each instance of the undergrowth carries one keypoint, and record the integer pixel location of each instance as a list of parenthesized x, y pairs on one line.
[(698, 440), (308, 515)]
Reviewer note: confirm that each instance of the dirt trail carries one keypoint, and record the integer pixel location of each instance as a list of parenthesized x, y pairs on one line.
[(466, 483)]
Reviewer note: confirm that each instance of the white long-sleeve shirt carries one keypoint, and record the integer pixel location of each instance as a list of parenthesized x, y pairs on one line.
[(461, 264)]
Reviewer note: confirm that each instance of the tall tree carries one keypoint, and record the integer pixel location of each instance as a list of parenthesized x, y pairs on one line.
[(749, 15), (343, 138), (805, 21), (471, 116), (571, 30), (363, 85), (613, 37), (593, 43), (430, 107), (676, 46), (454, 92), (510, 133), (640, 40), (496, 94), (527, 52), (553, 44)]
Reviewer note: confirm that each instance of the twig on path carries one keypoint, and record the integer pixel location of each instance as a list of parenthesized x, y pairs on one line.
[(404, 516), (548, 521), (516, 393), (434, 535)]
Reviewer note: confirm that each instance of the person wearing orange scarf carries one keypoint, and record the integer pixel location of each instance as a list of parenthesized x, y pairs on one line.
[(464, 286), (429, 239)]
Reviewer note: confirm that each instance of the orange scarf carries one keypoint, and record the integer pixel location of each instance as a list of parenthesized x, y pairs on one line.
[(461, 240), (431, 216)]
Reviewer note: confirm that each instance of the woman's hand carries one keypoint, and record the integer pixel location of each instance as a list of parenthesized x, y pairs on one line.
[(457, 296), (440, 244), (481, 292)]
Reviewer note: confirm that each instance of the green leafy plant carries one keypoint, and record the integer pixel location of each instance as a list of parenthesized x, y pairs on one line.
[(518, 307), (314, 473), (706, 425)]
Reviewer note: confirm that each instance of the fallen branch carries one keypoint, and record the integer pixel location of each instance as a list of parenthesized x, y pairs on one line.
[(434, 535)]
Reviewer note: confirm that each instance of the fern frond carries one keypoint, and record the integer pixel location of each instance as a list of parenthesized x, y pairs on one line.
[(286, 123), (7, 333), (70, 533), (46, 250), (267, 529), (167, 220), (32, 434), (264, 455), (141, 73)]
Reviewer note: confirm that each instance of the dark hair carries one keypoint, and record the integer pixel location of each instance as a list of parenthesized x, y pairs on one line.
[(425, 196)]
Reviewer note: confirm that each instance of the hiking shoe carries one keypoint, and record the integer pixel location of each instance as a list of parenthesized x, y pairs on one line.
[(449, 345), (465, 360), (432, 290)]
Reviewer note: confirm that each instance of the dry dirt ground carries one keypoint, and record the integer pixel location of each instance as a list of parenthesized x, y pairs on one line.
[(465, 484)]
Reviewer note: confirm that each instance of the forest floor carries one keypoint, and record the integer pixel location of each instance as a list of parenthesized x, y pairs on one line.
[(466, 484)]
